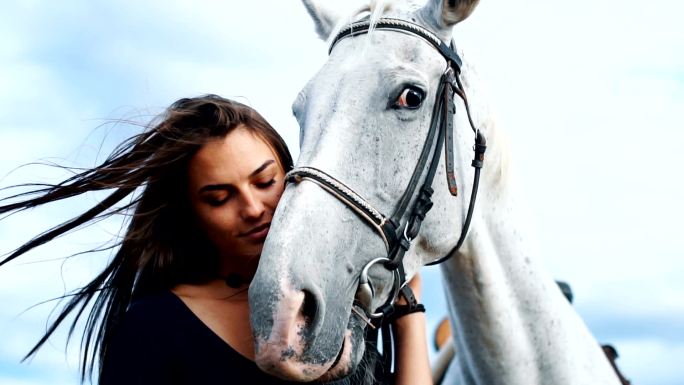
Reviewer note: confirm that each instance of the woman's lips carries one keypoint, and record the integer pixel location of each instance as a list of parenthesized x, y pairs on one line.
[(257, 233)]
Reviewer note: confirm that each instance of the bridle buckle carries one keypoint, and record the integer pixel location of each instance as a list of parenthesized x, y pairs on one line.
[(405, 235)]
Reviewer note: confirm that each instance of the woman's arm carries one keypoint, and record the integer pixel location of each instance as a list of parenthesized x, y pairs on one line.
[(412, 364)]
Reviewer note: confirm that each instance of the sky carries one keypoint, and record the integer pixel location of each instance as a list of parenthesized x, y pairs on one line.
[(590, 94)]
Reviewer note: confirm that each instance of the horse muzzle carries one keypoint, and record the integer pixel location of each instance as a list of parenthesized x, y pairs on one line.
[(291, 341)]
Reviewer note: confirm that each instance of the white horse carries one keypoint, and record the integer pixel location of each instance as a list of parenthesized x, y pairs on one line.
[(364, 118)]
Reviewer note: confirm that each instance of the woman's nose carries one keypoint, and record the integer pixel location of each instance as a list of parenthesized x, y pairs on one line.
[(253, 206)]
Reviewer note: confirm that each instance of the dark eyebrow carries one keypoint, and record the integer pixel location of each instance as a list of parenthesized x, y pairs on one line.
[(224, 186), (262, 167)]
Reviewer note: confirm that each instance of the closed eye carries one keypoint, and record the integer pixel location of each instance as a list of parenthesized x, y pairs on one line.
[(266, 184), (216, 200)]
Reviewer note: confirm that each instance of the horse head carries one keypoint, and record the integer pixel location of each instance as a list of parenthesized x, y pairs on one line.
[(364, 120)]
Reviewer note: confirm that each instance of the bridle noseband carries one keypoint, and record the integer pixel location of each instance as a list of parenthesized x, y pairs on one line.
[(399, 229)]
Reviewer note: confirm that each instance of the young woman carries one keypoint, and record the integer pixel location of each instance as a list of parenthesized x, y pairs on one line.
[(171, 307)]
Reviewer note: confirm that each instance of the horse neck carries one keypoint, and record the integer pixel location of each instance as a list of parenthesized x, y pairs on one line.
[(512, 323)]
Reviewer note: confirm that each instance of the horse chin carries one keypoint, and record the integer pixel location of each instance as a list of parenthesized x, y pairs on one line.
[(290, 365), (343, 363), (350, 354)]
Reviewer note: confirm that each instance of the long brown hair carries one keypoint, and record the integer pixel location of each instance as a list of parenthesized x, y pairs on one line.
[(160, 248)]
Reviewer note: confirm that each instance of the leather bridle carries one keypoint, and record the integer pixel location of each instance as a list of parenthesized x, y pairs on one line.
[(398, 230)]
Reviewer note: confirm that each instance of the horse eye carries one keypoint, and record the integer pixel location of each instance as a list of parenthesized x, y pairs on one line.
[(410, 97)]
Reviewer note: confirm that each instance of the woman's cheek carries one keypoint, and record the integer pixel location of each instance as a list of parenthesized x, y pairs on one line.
[(214, 223), (277, 197)]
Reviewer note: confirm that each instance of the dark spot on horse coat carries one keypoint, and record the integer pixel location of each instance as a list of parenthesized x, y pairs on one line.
[(288, 353)]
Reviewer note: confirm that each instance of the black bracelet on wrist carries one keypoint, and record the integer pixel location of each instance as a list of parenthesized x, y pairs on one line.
[(402, 310), (412, 305)]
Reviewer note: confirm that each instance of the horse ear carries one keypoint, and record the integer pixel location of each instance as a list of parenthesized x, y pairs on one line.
[(324, 18), (444, 14)]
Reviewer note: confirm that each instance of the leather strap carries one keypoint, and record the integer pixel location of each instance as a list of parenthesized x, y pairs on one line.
[(404, 310), (362, 27), (348, 196), (480, 148)]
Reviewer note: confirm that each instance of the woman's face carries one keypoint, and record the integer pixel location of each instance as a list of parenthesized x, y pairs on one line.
[(235, 184)]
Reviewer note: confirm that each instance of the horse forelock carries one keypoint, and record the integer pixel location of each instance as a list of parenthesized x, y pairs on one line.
[(375, 10)]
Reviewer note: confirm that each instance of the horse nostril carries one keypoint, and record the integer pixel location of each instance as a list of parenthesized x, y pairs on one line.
[(311, 312), (309, 308)]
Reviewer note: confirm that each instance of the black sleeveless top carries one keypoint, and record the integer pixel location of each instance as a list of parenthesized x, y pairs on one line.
[(161, 342)]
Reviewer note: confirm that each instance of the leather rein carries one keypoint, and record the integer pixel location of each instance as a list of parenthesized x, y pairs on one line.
[(398, 230)]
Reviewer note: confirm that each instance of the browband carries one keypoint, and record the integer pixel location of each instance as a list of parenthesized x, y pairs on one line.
[(363, 26)]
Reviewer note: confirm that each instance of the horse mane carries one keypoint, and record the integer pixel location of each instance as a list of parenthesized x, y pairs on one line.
[(497, 157)]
